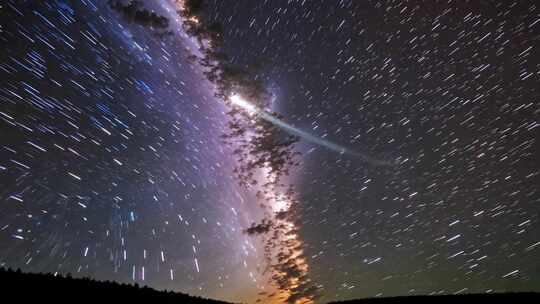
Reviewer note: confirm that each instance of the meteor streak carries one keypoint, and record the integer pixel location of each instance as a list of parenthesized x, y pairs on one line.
[(252, 109)]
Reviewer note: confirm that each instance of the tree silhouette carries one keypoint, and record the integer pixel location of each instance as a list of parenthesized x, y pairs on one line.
[(58, 288)]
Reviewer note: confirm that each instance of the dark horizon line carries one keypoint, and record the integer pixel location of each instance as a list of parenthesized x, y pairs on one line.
[(164, 295)]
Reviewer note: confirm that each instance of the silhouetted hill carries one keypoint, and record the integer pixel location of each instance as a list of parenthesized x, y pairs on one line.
[(58, 289), (488, 298), (20, 286)]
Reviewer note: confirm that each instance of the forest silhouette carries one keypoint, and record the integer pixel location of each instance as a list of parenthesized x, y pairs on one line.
[(59, 288), (20, 286)]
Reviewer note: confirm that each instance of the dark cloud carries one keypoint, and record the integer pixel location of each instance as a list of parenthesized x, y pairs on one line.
[(267, 147), (261, 228), (135, 12)]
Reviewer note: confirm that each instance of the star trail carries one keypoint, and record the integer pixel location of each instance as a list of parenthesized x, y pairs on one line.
[(273, 151)]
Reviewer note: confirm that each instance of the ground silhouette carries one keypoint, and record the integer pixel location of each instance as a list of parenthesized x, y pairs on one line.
[(20, 287), (489, 298)]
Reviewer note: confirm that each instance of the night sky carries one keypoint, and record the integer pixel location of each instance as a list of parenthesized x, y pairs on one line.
[(416, 159)]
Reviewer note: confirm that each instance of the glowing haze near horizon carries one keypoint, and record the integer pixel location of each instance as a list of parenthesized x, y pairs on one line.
[(112, 165)]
